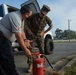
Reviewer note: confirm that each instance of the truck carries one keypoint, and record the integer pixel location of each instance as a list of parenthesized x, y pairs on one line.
[(48, 38)]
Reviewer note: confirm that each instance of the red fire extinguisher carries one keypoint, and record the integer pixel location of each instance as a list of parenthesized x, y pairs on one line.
[(38, 64)]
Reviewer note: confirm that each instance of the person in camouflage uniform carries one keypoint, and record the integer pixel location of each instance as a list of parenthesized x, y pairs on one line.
[(36, 31)]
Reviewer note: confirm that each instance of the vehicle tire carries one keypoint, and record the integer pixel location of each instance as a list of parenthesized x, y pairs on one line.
[(48, 46)]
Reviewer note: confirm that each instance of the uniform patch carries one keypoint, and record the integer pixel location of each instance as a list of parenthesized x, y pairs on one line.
[(18, 28)]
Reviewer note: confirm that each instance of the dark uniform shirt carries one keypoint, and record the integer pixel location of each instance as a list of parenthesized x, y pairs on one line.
[(37, 24)]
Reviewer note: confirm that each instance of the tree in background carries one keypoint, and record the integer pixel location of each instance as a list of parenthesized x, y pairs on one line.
[(59, 33), (66, 34)]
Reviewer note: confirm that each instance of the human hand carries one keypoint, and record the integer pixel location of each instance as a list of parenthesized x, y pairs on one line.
[(27, 43), (42, 33), (28, 53)]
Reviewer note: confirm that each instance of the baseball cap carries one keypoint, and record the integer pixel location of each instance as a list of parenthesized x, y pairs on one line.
[(45, 9)]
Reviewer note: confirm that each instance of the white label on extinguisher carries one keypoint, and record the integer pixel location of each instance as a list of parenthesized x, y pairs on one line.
[(39, 65)]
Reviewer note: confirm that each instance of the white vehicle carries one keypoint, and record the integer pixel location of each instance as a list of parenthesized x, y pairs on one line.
[(48, 42)]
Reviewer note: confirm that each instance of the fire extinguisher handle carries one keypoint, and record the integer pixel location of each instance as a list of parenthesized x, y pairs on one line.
[(36, 54)]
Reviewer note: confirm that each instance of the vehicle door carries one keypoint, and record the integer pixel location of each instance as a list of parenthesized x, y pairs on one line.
[(33, 5)]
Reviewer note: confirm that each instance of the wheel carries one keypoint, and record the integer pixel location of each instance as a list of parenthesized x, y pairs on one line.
[(48, 46)]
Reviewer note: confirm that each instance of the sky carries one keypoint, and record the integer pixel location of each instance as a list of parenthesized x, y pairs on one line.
[(61, 12)]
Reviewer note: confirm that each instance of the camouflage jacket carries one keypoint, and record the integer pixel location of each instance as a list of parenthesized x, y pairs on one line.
[(37, 24)]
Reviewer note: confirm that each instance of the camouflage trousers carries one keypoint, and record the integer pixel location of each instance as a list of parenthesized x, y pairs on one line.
[(40, 44)]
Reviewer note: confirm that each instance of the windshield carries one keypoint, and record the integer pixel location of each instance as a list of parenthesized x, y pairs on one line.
[(11, 9), (32, 6), (1, 11)]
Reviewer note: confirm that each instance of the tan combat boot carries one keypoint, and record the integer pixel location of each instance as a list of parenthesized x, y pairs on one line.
[(29, 70)]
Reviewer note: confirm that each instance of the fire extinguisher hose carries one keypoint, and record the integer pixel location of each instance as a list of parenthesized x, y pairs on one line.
[(48, 61)]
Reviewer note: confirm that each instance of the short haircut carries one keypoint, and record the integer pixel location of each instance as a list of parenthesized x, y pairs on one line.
[(25, 9)]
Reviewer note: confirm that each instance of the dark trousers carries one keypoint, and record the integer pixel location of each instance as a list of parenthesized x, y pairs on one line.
[(7, 66)]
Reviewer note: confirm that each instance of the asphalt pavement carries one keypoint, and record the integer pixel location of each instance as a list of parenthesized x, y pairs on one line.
[(60, 50), (60, 65)]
